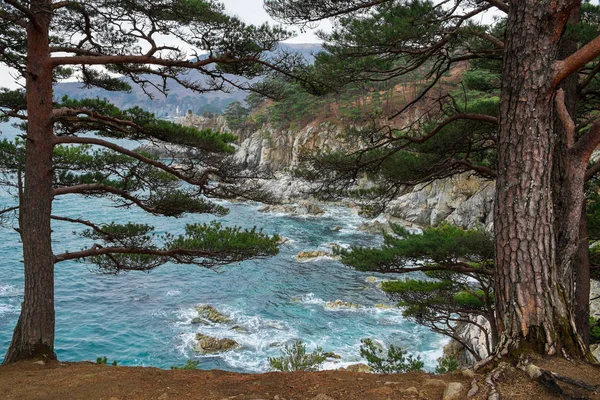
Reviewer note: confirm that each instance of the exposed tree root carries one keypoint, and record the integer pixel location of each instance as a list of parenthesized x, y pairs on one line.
[(550, 380), (474, 388), (492, 377)]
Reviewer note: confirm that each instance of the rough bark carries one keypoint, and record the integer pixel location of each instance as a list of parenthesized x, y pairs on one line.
[(33, 337), (568, 196), (534, 297)]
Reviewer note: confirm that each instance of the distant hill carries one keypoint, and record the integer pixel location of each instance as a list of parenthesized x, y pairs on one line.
[(180, 99)]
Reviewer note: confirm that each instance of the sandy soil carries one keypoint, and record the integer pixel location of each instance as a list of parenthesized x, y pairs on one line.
[(89, 381)]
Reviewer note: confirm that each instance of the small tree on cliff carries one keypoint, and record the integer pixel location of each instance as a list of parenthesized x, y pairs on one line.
[(46, 40), (543, 142)]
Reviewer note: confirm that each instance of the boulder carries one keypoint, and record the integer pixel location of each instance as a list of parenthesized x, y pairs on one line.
[(308, 255), (208, 344), (363, 368), (211, 314), (453, 391), (310, 208)]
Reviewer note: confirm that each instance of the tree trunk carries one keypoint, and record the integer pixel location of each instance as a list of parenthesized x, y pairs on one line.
[(569, 199), (534, 299), (33, 337)]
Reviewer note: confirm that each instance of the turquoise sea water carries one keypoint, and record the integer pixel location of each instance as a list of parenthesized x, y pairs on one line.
[(144, 318)]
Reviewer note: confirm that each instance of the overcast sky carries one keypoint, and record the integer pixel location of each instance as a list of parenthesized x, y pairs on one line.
[(250, 11)]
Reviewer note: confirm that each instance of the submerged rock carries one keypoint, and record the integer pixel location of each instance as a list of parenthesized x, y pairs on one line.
[(372, 279), (239, 328), (208, 344), (342, 304), (211, 314)]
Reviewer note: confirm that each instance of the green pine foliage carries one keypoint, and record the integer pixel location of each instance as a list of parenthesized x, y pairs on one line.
[(446, 365), (295, 358), (444, 245), (449, 275), (393, 360), (190, 365)]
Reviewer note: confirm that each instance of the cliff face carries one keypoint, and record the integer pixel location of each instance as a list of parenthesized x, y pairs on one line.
[(277, 149), (464, 200)]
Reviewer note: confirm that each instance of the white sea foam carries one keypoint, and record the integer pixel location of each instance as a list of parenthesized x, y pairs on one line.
[(308, 298), (172, 293), (260, 338), (10, 291)]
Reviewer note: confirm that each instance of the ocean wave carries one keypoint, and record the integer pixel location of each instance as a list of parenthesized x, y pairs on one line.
[(10, 291)]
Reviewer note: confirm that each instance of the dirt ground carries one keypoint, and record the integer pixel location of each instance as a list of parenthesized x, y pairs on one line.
[(89, 381)]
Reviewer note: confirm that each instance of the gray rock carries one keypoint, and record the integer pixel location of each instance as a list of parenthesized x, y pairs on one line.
[(453, 391), (211, 314), (363, 368), (435, 383), (210, 345), (322, 396)]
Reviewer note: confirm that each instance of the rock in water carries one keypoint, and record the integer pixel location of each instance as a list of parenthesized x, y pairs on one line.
[(307, 255), (208, 344), (341, 304), (211, 314)]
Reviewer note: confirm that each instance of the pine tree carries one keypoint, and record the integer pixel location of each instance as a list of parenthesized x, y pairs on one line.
[(114, 45), (541, 133)]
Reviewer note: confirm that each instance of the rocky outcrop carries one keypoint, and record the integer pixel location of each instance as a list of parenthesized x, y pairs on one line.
[(209, 345), (341, 304), (310, 255), (304, 207), (211, 314), (278, 149), (464, 200)]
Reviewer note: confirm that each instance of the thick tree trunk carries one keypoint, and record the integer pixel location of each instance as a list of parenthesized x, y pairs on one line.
[(34, 334), (534, 298), (569, 197)]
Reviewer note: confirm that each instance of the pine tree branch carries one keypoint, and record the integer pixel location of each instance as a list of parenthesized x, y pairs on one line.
[(102, 59), (13, 18), (588, 79), (82, 222), (22, 8), (458, 267), (175, 254), (587, 143), (499, 4), (99, 188), (575, 61), (565, 118), (201, 182)]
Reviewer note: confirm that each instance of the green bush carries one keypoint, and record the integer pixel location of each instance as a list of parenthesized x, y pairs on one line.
[(594, 330), (396, 360), (189, 365), (446, 365), (104, 361), (294, 358)]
